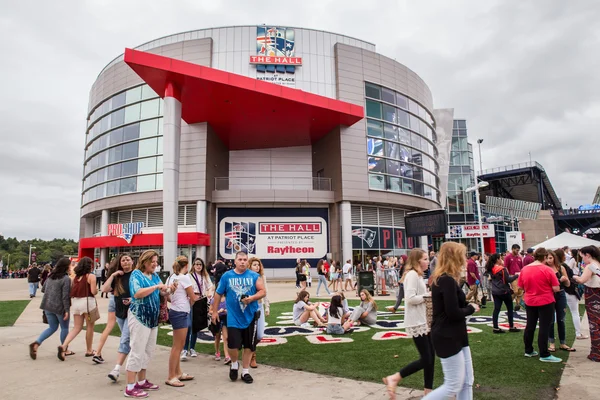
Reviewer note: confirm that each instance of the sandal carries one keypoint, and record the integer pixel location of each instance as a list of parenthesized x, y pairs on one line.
[(174, 382), (551, 348), (185, 377), (33, 350), (61, 353), (567, 348), (391, 389), (92, 354), (69, 353)]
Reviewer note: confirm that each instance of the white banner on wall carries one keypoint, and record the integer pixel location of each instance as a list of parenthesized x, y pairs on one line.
[(470, 231), (514, 237), (273, 237)]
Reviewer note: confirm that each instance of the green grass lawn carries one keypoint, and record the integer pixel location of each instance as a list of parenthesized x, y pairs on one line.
[(11, 310), (501, 370)]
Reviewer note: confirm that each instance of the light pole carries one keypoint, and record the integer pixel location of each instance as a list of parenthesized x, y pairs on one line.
[(30, 247), (476, 188), (479, 141)]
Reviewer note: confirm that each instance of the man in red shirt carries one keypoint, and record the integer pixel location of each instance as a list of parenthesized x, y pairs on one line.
[(528, 258), (540, 283), (473, 277), (514, 264)]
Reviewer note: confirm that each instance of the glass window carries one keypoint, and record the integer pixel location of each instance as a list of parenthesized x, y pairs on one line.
[(112, 188), (413, 107), (129, 168), (100, 191), (373, 91), (406, 170), (415, 141), (462, 124), (103, 141), (159, 180), (105, 123), (114, 171), (404, 136), (132, 113), (402, 117), (375, 147), (414, 123), (376, 164), (130, 150), (389, 113), (418, 188), (128, 185), (148, 128), (149, 109), (423, 128), (133, 95), (405, 153), (401, 101), (394, 184), (392, 150), (147, 92), (373, 109), (116, 136), (374, 128), (147, 147), (418, 173), (422, 112), (147, 165), (388, 95), (391, 132), (131, 132), (117, 118), (159, 165), (407, 186), (118, 100), (393, 167), (147, 182), (376, 182), (102, 159), (105, 107), (115, 154)]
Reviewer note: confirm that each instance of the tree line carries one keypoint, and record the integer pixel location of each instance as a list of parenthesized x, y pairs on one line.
[(47, 251)]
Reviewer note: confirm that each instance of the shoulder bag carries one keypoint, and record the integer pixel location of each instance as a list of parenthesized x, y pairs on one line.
[(163, 313), (94, 314)]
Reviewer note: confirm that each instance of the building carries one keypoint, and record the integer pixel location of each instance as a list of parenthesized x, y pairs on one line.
[(597, 196), (284, 142)]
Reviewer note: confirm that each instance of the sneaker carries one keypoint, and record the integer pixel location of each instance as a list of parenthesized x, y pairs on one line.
[(532, 354), (498, 330), (114, 375), (227, 361), (233, 374), (514, 330), (247, 378), (306, 325), (551, 359), (140, 394), (193, 353), (217, 356), (183, 356), (98, 359), (147, 385)]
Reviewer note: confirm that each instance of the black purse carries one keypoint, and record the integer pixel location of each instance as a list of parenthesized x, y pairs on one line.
[(44, 318)]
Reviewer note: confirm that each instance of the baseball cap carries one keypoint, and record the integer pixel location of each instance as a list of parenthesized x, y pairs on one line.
[(530, 250), (473, 253)]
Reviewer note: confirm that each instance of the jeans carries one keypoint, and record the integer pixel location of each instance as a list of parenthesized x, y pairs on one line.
[(498, 300), (33, 286), (458, 377), (544, 314), (559, 316), (425, 363), (573, 303), (322, 281), (124, 341), (192, 337), (54, 320)]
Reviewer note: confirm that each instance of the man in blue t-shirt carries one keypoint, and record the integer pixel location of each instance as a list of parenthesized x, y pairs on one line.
[(242, 289)]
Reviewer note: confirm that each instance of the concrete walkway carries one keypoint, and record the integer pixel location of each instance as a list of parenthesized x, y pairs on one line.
[(77, 377)]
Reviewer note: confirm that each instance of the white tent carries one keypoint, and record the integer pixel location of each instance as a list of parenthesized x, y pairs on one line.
[(567, 239)]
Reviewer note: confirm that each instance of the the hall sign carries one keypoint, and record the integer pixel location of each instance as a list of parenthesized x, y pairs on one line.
[(275, 58), (125, 231), (470, 231)]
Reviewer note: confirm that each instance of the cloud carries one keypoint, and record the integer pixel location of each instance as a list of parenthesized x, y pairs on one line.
[(523, 74)]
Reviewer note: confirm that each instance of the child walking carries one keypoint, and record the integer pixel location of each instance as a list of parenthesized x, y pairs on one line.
[(220, 331)]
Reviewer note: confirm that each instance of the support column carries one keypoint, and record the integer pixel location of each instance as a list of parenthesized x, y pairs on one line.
[(346, 227), (201, 226), (104, 220), (424, 244), (171, 152)]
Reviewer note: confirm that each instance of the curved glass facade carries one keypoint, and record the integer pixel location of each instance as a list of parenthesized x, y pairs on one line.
[(400, 144), (124, 145)]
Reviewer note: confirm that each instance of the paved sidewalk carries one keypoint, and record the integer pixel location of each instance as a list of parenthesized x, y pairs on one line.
[(77, 377)]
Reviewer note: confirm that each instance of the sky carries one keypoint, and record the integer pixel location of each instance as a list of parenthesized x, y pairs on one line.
[(524, 74)]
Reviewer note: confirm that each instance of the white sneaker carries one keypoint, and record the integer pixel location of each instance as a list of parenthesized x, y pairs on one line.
[(183, 355), (306, 325), (193, 353), (114, 375)]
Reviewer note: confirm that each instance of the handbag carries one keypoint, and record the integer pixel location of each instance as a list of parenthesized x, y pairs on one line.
[(163, 313), (94, 314), (429, 310), (44, 318)]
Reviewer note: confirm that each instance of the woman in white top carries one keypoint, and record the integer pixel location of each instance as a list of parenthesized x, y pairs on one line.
[(179, 316), (304, 309), (591, 279), (415, 322), (203, 288), (265, 307)]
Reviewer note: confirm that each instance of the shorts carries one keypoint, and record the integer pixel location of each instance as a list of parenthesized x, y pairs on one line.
[(246, 337), (111, 303), (179, 319), (80, 305), (335, 329), (347, 276), (297, 322)]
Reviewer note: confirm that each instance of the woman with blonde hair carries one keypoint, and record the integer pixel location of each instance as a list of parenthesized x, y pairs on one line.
[(365, 313), (265, 307), (449, 327), (415, 323)]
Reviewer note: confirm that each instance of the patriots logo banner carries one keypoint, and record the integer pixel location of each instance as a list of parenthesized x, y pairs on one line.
[(365, 234), (240, 236), (277, 43), (125, 231)]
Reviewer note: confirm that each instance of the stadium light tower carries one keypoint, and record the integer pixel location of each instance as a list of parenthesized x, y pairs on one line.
[(476, 188)]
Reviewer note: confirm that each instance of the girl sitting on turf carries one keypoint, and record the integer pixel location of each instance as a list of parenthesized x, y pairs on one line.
[(365, 313), (303, 310), (335, 316), (220, 330)]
